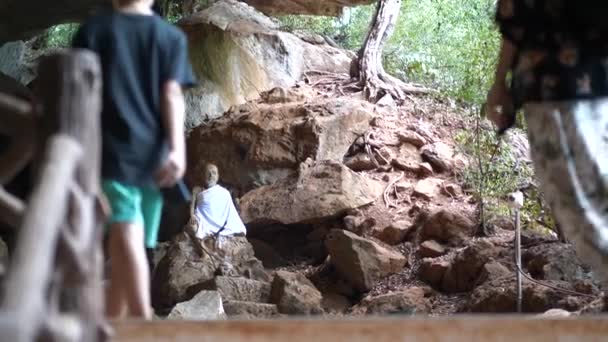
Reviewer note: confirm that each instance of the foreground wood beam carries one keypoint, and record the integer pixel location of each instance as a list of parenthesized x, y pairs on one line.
[(32, 263), (11, 208), (451, 329)]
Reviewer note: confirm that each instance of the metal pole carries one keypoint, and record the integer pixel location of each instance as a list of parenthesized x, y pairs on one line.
[(516, 202), (518, 259)]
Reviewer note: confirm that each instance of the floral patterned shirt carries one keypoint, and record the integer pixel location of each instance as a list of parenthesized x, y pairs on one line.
[(562, 48)]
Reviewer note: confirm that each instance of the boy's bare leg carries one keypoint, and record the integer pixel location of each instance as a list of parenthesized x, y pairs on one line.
[(130, 281), (116, 301)]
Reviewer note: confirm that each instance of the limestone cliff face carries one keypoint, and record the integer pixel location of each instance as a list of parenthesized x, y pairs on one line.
[(21, 19), (319, 7), (237, 53)]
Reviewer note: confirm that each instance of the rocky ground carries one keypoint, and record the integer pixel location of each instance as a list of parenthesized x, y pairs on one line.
[(355, 209), (351, 208)]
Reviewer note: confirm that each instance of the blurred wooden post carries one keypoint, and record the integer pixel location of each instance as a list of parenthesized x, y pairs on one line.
[(56, 271), (32, 264)]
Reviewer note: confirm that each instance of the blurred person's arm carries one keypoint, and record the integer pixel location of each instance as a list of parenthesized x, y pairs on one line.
[(499, 105), (173, 110)]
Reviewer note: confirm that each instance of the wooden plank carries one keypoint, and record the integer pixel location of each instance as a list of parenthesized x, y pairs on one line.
[(450, 329), (11, 208), (33, 260), (15, 113), (69, 88)]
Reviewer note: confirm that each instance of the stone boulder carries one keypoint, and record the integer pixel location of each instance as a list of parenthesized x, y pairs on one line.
[(428, 188), (431, 249), (183, 268), (14, 62), (205, 306), (395, 233), (410, 301), (267, 254), (294, 294), (466, 267), (499, 296), (432, 270), (447, 226), (412, 137), (250, 310), (440, 156), (361, 261), (335, 303), (258, 144), (360, 162), (408, 159), (239, 289), (494, 270), (553, 261), (322, 191), (237, 52)]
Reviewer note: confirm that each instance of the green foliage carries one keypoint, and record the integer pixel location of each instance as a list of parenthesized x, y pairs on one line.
[(348, 31), (451, 45), (495, 172), (60, 36)]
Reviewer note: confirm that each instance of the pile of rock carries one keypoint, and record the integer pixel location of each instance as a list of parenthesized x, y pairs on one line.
[(349, 209)]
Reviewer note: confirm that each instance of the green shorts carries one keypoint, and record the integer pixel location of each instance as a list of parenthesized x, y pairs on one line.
[(136, 205)]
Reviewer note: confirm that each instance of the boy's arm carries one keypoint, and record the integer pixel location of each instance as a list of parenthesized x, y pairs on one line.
[(177, 75), (173, 110), (505, 61), (499, 106)]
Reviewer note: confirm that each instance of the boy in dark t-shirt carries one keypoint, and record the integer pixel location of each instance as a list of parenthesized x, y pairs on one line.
[(144, 65)]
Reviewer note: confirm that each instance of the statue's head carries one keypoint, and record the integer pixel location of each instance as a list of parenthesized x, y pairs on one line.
[(211, 176)]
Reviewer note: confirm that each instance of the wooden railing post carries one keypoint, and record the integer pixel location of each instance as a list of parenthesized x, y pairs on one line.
[(55, 274)]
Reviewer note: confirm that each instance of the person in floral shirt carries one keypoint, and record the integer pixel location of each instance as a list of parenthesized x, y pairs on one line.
[(556, 52)]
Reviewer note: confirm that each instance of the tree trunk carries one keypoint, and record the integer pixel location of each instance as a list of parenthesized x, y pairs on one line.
[(375, 81)]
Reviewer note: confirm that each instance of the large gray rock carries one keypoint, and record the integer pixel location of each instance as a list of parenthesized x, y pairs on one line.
[(447, 226), (394, 233), (258, 144), (428, 188), (499, 296), (250, 310), (553, 261), (324, 190), (409, 301), (237, 52), (240, 289), (13, 62), (465, 270), (361, 261), (205, 306), (294, 294), (183, 269)]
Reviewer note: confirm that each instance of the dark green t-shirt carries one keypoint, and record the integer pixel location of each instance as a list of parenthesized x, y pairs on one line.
[(138, 53)]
